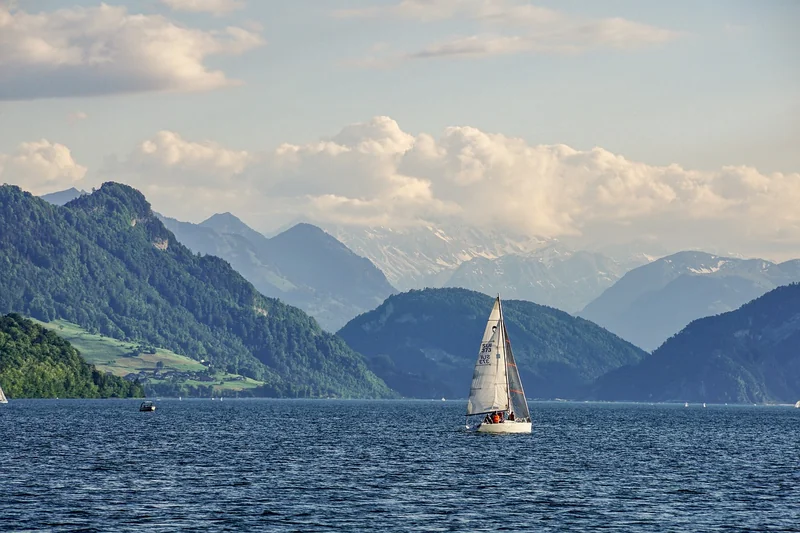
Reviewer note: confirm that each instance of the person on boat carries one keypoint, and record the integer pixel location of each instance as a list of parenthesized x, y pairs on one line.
[(487, 419), (511, 416), (495, 418)]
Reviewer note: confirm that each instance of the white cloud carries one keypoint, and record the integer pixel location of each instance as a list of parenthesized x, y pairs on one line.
[(217, 7), (192, 163), (375, 173), (509, 27), (105, 50), (41, 167), (184, 178)]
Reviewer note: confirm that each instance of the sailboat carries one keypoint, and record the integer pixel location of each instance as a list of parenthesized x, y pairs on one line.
[(3, 398), (496, 392)]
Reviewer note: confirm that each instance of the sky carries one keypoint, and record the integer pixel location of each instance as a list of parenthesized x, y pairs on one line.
[(596, 121)]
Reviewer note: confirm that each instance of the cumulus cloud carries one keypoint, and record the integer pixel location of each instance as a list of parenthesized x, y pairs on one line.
[(217, 7), (374, 173), (188, 163), (105, 50), (186, 179), (509, 27), (41, 167)]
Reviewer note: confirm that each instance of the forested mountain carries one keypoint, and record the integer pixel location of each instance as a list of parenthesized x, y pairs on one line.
[(655, 301), (105, 262), (424, 343), (746, 356), (303, 266), (37, 363)]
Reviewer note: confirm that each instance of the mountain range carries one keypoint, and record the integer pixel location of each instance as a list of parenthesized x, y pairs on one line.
[(105, 262), (553, 276), (424, 343), (750, 355), (421, 256), (303, 266), (652, 302)]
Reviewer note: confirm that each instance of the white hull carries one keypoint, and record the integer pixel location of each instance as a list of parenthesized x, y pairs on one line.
[(505, 427)]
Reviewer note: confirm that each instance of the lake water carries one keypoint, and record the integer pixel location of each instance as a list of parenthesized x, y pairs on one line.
[(293, 465)]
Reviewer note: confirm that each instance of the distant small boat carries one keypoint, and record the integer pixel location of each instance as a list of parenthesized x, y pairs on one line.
[(3, 398), (797, 405), (704, 404), (686, 404), (147, 406)]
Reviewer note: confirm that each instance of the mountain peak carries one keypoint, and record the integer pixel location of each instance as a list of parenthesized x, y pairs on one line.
[(114, 198), (226, 217), (63, 197), (229, 223), (304, 228), (299, 235)]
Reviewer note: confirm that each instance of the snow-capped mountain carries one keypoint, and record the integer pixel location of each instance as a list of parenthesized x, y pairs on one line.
[(554, 276), (426, 256), (655, 301)]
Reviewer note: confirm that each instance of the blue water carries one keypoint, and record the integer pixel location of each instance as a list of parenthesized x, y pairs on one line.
[(286, 465)]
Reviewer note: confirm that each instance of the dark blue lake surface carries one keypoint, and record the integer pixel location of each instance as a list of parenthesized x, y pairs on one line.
[(286, 465)]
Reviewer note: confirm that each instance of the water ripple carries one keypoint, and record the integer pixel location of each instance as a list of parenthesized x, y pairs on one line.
[(318, 466)]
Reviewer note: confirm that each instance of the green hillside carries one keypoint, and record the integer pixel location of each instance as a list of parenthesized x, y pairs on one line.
[(424, 343), (106, 263), (750, 355), (37, 363), (161, 372)]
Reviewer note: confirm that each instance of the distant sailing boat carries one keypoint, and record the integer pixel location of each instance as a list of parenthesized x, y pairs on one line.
[(3, 398), (496, 390)]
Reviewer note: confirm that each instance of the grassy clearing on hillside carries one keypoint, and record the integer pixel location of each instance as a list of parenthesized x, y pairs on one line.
[(115, 356), (231, 386)]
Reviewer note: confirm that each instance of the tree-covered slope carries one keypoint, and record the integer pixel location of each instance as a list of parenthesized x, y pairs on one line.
[(748, 355), (105, 262), (424, 343), (37, 363)]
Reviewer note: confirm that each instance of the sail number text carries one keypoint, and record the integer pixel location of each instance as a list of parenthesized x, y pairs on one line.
[(486, 352)]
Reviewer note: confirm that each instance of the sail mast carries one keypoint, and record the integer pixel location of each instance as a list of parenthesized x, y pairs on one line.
[(505, 347)]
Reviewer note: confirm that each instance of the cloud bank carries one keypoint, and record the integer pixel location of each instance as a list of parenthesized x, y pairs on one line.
[(41, 167), (374, 173), (507, 27), (106, 50)]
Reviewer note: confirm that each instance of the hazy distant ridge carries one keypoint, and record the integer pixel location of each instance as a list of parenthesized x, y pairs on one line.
[(655, 301)]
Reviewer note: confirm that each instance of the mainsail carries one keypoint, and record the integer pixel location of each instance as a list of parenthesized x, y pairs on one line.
[(489, 390)]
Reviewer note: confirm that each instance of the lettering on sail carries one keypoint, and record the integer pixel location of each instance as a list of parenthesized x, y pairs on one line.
[(485, 354)]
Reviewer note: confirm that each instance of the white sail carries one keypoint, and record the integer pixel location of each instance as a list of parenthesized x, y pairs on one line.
[(3, 398), (489, 390)]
